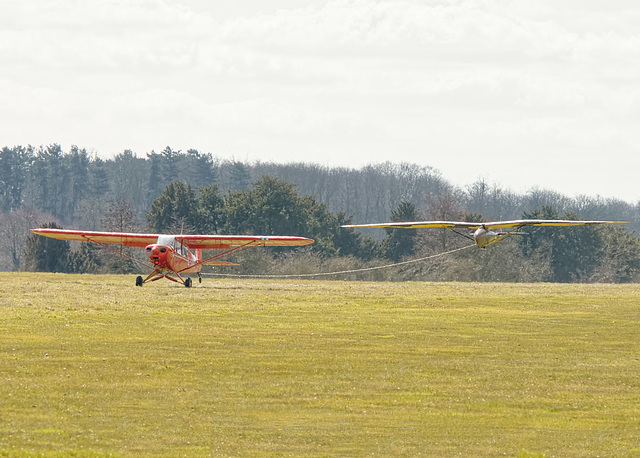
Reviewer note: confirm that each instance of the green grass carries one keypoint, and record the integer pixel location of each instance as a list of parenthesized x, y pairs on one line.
[(93, 366)]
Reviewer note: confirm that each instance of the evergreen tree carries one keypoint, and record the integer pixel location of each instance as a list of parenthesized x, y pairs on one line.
[(131, 179), (198, 169), (44, 254), (155, 175), (76, 164), (169, 165), (239, 176), (175, 210), (349, 242), (14, 164), (211, 211), (84, 259), (100, 186), (50, 178), (319, 225), (574, 252), (401, 242), (274, 207)]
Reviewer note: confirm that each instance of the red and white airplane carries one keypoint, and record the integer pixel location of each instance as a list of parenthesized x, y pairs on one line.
[(169, 254)]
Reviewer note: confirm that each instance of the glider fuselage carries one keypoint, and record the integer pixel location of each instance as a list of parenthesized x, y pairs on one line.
[(483, 237)]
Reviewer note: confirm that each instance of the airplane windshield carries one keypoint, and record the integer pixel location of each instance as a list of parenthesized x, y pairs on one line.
[(171, 241)]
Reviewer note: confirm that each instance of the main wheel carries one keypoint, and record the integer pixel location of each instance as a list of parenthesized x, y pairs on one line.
[(138, 281), (187, 283)]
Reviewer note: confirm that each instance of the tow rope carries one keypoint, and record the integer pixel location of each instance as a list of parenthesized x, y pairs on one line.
[(341, 271)]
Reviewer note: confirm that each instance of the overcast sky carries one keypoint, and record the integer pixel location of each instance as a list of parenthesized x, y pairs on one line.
[(522, 93)]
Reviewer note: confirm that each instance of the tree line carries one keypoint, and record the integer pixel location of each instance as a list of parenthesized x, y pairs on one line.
[(174, 191)]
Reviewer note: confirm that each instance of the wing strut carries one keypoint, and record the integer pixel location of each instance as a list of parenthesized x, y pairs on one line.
[(237, 249), (103, 245), (466, 236)]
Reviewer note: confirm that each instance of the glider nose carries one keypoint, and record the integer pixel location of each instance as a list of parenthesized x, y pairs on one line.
[(481, 237)]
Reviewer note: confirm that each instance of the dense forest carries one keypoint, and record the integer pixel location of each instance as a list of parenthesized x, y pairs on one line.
[(173, 191)]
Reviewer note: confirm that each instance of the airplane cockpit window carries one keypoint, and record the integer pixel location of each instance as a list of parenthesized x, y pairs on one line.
[(171, 241)]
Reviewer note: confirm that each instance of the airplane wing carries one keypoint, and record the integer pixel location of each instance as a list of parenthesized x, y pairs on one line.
[(120, 238), (489, 225), (192, 241), (228, 241)]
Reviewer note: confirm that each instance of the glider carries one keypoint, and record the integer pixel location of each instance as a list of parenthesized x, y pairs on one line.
[(169, 254), (486, 233)]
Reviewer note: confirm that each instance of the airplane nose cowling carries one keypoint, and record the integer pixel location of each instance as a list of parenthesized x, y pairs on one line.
[(157, 253)]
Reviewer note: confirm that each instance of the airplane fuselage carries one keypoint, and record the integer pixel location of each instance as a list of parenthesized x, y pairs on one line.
[(166, 259)]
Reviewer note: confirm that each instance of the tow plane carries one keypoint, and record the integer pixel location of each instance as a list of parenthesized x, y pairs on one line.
[(171, 255), (486, 233)]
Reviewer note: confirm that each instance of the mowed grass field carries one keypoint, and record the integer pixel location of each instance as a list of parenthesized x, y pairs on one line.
[(93, 366)]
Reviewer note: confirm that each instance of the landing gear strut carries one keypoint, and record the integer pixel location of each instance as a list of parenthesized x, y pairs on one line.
[(157, 275)]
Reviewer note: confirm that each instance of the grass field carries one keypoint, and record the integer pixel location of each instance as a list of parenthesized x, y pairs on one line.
[(93, 366)]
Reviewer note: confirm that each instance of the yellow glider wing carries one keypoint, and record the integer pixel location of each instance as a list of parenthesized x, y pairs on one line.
[(545, 222), (420, 224), (489, 225)]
